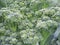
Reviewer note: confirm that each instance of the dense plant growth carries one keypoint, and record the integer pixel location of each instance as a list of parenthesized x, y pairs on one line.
[(27, 22)]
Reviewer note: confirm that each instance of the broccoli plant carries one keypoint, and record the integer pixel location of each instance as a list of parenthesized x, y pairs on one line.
[(27, 22)]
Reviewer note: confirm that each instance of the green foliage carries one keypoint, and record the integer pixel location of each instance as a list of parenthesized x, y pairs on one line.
[(26, 22)]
